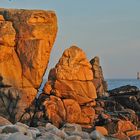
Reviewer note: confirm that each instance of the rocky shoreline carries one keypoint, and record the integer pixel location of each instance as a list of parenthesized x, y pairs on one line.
[(21, 131), (75, 103), (114, 121)]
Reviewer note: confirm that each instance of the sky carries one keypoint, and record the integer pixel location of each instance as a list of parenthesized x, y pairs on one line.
[(109, 29)]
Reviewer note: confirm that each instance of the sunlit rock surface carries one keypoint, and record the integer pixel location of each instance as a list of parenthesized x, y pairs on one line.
[(72, 81), (26, 40)]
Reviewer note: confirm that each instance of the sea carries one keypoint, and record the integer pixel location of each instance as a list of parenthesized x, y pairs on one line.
[(115, 83)]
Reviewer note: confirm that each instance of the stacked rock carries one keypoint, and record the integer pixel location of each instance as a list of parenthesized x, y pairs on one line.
[(71, 89)]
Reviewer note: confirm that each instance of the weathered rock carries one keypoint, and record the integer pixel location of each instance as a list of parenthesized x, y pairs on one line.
[(55, 110), (121, 136), (4, 121), (72, 77), (26, 39), (1, 18), (123, 126), (100, 83), (95, 135), (73, 138), (132, 116), (9, 129), (87, 115), (83, 135), (135, 138), (73, 110), (99, 110), (35, 132), (4, 136), (68, 110), (70, 128), (18, 136), (133, 133), (18, 127), (7, 33), (128, 100), (72, 81), (54, 130), (49, 136), (102, 130), (35, 35), (24, 129), (9, 61)]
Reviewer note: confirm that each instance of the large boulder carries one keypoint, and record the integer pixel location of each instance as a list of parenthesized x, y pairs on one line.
[(71, 83), (128, 96), (26, 40), (100, 83), (72, 78), (35, 32), (55, 110)]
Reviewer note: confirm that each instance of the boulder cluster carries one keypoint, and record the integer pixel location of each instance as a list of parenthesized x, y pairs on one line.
[(75, 103)]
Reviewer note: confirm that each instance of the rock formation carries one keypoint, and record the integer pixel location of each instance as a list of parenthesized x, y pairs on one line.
[(128, 96), (69, 95), (100, 83), (71, 83), (26, 39)]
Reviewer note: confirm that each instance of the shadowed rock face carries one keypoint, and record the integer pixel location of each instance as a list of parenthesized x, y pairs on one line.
[(71, 81), (26, 40), (72, 77), (100, 83)]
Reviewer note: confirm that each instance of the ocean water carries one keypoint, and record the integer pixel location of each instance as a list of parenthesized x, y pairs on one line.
[(115, 83)]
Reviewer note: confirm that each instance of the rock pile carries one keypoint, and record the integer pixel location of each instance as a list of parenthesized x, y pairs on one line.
[(110, 128), (119, 113), (21, 131), (71, 89), (26, 39)]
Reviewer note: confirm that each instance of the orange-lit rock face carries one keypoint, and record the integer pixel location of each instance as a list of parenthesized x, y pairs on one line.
[(67, 110), (1, 18), (72, 77), (55, 110), (26, 39), (9, 61), (123, 126), (72, 81), (14, 101), (73, 110), (7, 34), (82, 92), (35, 34), (73, 65)]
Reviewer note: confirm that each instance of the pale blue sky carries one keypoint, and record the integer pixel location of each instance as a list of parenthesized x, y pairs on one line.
[(107, 28)]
